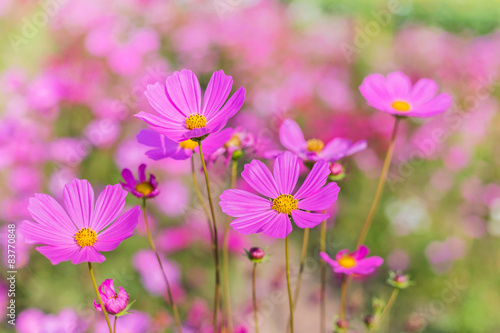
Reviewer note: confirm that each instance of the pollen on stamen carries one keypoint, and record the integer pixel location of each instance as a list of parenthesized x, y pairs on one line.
[(188, 144), (86, 237), (401, 106), (285, 203), (195, 121), (315, 145), (347, 261), (144, 188)]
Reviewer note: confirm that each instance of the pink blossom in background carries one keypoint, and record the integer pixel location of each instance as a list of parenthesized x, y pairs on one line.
[(172, 205), (34, 320), (135, 322), (356, 262)]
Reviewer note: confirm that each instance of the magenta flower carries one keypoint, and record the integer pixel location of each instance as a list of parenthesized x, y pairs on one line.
[(113, 303), (354, 262), (141, 188), (84, 228), (181, 115), (164, 147), (272, 214), (395, 94), (292, 138), (239, 143)]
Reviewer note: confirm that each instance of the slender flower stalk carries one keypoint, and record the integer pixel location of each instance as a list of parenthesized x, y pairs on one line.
[(381, 183), (322, 246), (305, 242), (200, 198), (225, 256), (386, 310), (254, 298), (290, 300), (91, 270), (346, 281), (215, 242), (169, 290), (114, 326)]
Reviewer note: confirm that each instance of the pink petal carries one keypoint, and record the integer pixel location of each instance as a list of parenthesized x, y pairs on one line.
[(157, 98), (326, 258), (341, 253), (423, 91), (374, 91), (335, 149), (217, 92), (183, 90), (35, 233), (109, 205), (142, 173), (128, 176), (314, 180), (398, 85), (322, 199), (173, 130), (307, 220), (118, 231), (357, 147), (279, 226), (87, 254), (253, 223), (361, 252), (436, 105), (286, 172), (291, 136), (48, 212), (57, 254), (79, 201), (258, 176), (239, 203), (219, 119), (107, 288), (215, 141)]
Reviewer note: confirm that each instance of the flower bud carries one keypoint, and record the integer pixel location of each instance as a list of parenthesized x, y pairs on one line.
[(369, 321), (256, 254), (113, 303), (398, 280), (337, 172), (342, 324), (237, 155)]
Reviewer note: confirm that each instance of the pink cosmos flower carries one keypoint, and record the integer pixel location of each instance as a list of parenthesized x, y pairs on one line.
[(354, 262), (164, 147), (141, 188), (395, 94), (239, 142), (181, 115), (84, 228), (292, 138), (113, 303), (272, 214)]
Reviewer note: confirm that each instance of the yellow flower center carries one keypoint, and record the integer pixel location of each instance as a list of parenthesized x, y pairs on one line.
[(195, 121), (347, 261), (144, 188), (86, 237), (401, 106), (315, 145), (233, 142), (285, 203), (188, 144)]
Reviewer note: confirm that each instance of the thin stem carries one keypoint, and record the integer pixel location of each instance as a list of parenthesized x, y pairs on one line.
[(290, 300), (215, 242), (169, 290), (225, 257), (305, 241), (254, 298), (380, 186), (114, 326), (200, 198), (91, 270), (322, 246), (386, 310), (346, 280)]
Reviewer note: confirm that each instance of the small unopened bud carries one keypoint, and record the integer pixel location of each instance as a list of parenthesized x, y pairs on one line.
[(256, 254), (342, 323), (337, 172), (237, 154), (369, 321), (398, 280), (377, 304)]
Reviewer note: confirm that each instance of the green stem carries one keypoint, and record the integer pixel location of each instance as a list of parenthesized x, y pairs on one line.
[(346, 280), (322, 246), (200, 198), (386, 310), (380, 186), (114, 326), (254, 299), (290, 300), (225, 257), (91, 270), (215, 242), (169, 290)]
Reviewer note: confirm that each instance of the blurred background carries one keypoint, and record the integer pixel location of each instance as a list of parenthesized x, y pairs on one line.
[(73, 73)]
